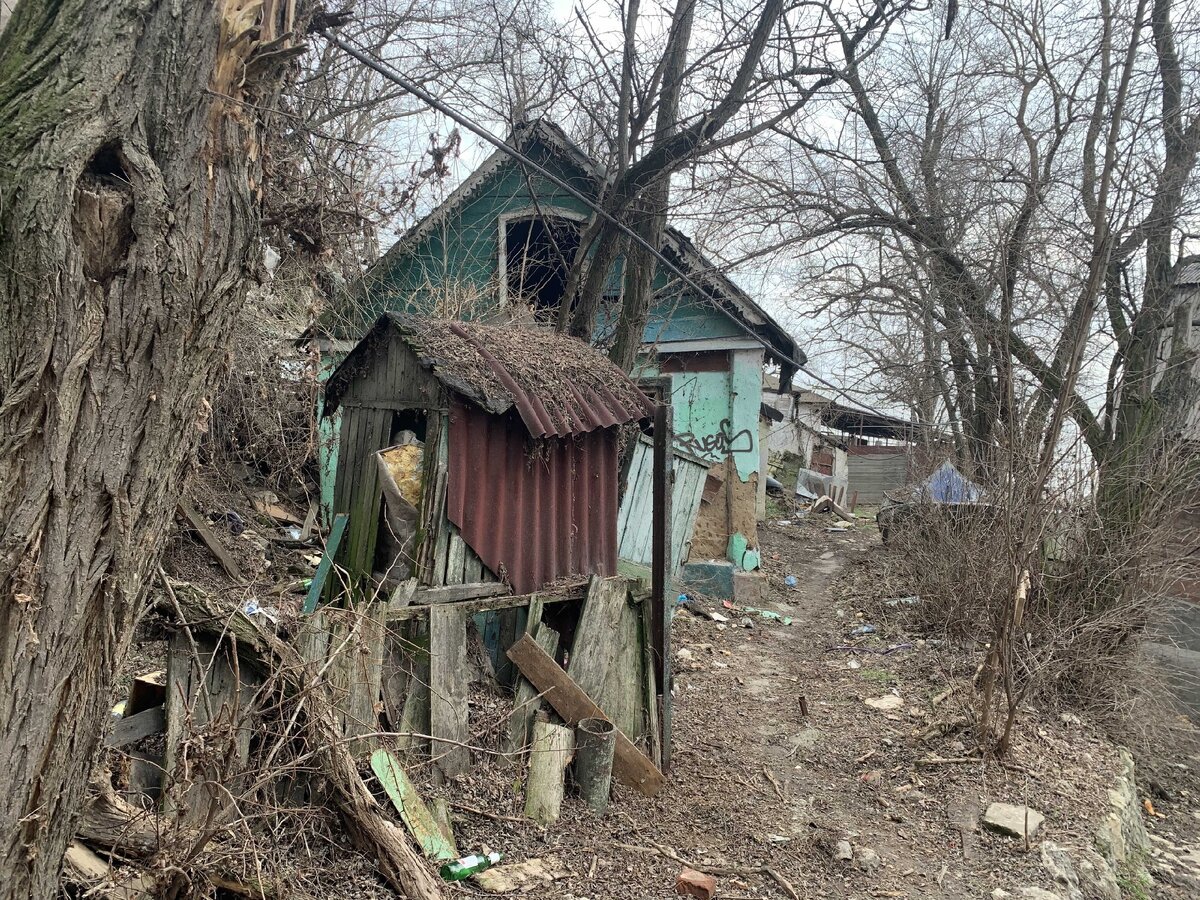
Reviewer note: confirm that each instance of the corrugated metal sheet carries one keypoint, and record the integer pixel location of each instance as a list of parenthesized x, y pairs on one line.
[(1189, 274), (534, 510), (873, 474)]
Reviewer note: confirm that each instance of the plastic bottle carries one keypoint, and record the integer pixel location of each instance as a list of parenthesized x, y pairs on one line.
[(460, 869)]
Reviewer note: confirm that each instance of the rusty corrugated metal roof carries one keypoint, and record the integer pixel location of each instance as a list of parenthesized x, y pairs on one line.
[(559, 385), (534, 511)]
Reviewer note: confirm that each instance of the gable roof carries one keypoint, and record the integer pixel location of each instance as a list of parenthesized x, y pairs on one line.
[(720, 290), (524, 136), (558, 385)]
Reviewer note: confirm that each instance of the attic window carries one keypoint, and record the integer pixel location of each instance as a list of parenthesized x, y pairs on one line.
[(538, 252)]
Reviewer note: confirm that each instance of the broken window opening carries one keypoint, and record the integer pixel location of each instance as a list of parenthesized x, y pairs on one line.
[(538, 256)]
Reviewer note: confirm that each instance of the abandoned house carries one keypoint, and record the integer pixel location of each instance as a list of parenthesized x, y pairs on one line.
[(498, 248)]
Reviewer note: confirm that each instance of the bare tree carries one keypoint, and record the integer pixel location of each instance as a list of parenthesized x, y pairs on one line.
[(1015, 195), (678, 100), (130, 154)]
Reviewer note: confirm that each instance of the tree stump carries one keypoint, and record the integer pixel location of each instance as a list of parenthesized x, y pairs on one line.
[(551, 752)]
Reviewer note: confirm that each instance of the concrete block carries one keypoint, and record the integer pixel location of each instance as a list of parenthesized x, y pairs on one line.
[(748, 588)]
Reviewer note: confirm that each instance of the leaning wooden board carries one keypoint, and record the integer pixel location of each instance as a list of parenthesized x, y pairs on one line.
[(630, 765)]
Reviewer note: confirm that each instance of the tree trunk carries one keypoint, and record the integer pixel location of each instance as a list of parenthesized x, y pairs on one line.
[(128, 226)]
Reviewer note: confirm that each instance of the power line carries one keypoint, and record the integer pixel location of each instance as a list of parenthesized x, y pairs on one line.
[(475, 128)]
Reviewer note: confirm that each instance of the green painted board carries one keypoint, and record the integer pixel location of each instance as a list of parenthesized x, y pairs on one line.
[(331, 549), (413, 811)]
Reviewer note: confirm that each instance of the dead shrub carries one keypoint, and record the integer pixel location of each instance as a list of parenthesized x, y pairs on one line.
[(1059, 615)]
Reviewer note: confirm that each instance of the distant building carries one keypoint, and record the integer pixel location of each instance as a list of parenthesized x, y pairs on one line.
[(839, 448)]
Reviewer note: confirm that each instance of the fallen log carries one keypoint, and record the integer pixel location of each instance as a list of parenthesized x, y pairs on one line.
[(369, 827)]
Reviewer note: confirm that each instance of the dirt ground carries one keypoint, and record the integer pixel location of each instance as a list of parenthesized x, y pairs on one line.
[(777, 758), (758, 784)]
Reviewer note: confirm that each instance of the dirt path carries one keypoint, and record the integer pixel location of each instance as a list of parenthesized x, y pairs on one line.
[(757, 783)]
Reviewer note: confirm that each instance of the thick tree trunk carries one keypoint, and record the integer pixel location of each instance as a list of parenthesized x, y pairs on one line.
[(128, 226)]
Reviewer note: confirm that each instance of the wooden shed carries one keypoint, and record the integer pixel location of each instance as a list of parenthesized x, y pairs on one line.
[(472, 452)]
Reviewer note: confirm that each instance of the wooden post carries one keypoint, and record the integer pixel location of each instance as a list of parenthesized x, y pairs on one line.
[(448, 688), (661, 566), (596, 741), (552, 748)]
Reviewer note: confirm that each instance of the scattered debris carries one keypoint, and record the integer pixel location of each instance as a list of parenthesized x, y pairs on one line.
[(462, 869), (521, 876)]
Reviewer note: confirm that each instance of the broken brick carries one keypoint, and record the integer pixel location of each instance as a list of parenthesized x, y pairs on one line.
[(691, 883)]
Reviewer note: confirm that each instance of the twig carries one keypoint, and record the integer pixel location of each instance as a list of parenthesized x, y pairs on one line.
[(774, 782), (495, 817), (946, 761)]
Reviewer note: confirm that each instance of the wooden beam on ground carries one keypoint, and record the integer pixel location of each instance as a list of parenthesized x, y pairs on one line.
[(631, 766), (135, 727), (448, 688), (197, 523), (453, 593)]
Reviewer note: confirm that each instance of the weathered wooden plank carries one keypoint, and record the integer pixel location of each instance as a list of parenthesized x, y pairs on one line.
[(414, 722), (453, 593), (313, 641), (135, 727), (474, 606), (632, 500), (631, 767), (413, 811), (597, 636), (455, 558), (623, 693), (438, 519), (365, 665), (198, 525), (527, 703), (448, 688), (326, 565)]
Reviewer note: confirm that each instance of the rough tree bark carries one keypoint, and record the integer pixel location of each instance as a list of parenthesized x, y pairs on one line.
[(128, 228)]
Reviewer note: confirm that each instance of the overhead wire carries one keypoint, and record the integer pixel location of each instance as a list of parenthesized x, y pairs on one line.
[(478, 130)]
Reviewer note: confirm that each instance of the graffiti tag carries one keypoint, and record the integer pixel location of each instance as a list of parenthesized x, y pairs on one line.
[(722, 443)]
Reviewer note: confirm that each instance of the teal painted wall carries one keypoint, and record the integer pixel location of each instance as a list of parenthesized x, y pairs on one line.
[(464, 248), (716, 413)]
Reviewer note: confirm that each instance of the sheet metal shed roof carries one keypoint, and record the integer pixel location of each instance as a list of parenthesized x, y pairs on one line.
[(559, 385)]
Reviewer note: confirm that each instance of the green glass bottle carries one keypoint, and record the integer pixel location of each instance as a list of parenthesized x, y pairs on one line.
[(468, 866)]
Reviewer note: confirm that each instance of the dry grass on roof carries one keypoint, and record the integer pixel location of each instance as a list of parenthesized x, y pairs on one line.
[(551, 366)]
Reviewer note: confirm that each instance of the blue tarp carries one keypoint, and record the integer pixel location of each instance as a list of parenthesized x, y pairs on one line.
[(947, 485)]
